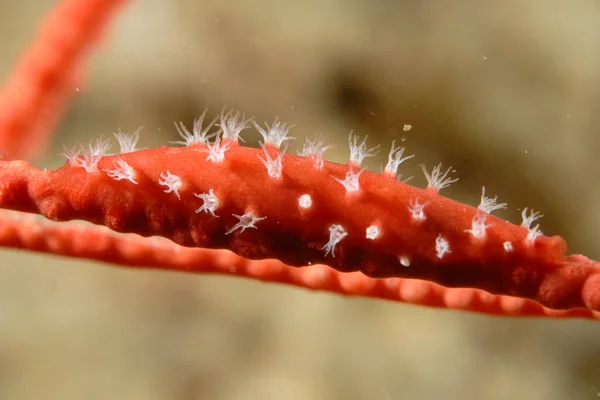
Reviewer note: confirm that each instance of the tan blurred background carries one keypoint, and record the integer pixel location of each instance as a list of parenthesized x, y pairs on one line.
[(506, 92)]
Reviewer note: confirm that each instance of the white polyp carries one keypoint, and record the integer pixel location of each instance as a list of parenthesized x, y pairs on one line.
[(245, 221), (395, 159), (350, 182), (172, 182), (216, 150), (508, 246), (336, 234), (373, 232), (442, 247), (489, 204), (275, 134), (478, 226), (99, 148), (315, 150), (72, 154), (437, 179), (528, 220), (232, 124), (274, 166), (211, 202), (89, 158), (121, 171), (531, 218), (534, 233), (416, 210), (358, 152), (305, 201), (198, 135), (127, 141), (404, 261)]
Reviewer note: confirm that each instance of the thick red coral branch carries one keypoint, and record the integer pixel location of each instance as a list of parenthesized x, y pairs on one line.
[(83, 241), (305, 215), (47, 75)]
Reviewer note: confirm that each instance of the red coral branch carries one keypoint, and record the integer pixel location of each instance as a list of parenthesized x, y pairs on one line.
[(235, 201)]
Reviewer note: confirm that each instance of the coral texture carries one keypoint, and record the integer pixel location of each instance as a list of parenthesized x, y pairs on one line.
[(265, 203)]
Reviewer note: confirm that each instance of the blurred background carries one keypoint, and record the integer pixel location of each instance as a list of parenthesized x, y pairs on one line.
[(505, 92)]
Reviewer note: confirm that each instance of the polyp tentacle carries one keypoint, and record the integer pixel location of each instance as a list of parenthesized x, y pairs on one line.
[(350, 181), (199, 134), (358, 152), (246, 221), (314, 149), (276, 133), (232, 124), (127, 141), (336, 234), (172, 182), (395, 159), (211, 202), (121, 170)]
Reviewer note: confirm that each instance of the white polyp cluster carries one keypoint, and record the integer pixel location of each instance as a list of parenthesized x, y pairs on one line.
[(489, 204), (216, 150), (89, 158), (305, 201), (232, 124), (437, 179), (336, 234), (373, 232), (172, 182), (245, 221), (528, 220), (274, 166), (211, 202), (442, 247), (416, 210), (127, 141), (478, 226), (121, 171), (315, 150), (395, 159), (350, 182), (275, 134), (358, 152), (198, 135)]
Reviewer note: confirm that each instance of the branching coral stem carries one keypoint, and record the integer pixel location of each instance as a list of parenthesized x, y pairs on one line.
[(48, 74)]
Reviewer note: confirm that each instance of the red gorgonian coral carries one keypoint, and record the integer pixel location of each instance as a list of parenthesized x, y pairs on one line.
[(264, 213)]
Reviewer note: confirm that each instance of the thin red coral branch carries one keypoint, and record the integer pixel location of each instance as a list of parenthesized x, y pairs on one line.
[(47, 75), (88, 242)]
